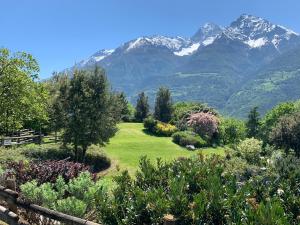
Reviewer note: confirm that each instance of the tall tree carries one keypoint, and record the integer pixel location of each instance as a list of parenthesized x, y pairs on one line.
[(58, 87), (163, 105), (286, 133), (142, 107), (272, 117), (124, 106), (91, 116), (21, 98), (253, 123)]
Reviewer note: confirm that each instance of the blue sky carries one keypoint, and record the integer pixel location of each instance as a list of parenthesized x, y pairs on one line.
[(61, 32)]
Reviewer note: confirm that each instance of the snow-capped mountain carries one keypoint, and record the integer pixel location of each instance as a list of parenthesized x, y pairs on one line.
[(257, 32), (170, 43), (97, 57), (210, 66), (207, 32)]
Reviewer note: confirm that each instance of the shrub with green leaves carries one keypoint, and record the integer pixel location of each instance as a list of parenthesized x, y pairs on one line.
[(150, 124), (231, 131), (165, 129), (184, 138), (199, 191), (159, 128), (183, 110), (96, 158), (250, 149), (75, 198)]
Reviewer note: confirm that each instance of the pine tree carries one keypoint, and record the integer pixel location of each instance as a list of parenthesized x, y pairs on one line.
[(142, 107), (163, 105), (124, 106), (253, 123)]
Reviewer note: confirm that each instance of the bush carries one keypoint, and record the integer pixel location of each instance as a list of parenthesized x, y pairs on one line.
[(45, 171), (198, 191), (286, 133), (250, 149), (231, 131), (47, 152), (184, 138), (159, 128), (204, 124), (150, 124), (96, 159), (75, 198), (165, 129), (183, 110)]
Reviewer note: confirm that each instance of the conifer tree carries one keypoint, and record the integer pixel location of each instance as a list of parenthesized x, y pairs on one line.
[(163, 105), (253, 123), (142, 107)]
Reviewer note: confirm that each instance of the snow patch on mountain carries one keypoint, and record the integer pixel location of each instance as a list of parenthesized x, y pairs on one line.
[(189, 50), (257, 32), (102, 55), (171, 43), (208, 41), (257, 43), (288, 31), (253, 31)]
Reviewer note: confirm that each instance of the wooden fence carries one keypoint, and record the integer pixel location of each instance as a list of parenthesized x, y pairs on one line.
[(10, 214), (21, 137)]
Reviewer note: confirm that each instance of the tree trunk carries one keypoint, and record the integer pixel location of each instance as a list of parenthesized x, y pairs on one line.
[(76, 152), (55, 136), (84, 149)]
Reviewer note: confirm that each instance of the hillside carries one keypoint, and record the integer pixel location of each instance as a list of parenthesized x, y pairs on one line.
[(277, 82)]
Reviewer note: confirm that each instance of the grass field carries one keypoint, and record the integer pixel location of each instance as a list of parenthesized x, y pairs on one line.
[(131, 142)]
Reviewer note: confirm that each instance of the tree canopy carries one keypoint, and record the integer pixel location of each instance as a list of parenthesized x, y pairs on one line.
[(142, 107), (22, 99), (90, 113), (163, 105)]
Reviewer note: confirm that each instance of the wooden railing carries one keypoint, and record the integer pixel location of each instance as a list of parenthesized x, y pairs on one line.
[(10, 214)]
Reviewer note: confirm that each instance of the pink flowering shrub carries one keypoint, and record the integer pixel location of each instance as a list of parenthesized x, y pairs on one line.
[(204, 124)]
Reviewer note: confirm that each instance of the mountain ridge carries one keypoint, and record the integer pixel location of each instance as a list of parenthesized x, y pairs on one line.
[(211, 66)]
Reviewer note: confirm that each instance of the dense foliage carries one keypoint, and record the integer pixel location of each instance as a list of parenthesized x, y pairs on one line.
[(253, 123), (159, 128), (76, 197), (142, 107), (272, 117), (92, 111), (204, 124), (183, 110), (231, 131), (206, 191), (163, 105), (44, 171), (188, 138), (22, 100), (286, 133)]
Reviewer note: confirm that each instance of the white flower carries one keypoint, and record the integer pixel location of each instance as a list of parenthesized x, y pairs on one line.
[(280, 192)]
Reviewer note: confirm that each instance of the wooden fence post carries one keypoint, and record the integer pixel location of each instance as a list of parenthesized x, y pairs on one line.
[(8, 216), (169, 220), (11, 185)]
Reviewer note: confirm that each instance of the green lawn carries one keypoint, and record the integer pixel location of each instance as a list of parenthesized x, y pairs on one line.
[(130, 143)]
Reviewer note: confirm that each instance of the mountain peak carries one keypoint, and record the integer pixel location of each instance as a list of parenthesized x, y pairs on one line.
[(251, 26), (208, 30), (257, 32)]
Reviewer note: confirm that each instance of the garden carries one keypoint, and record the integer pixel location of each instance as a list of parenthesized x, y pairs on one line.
[(107, 161)]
